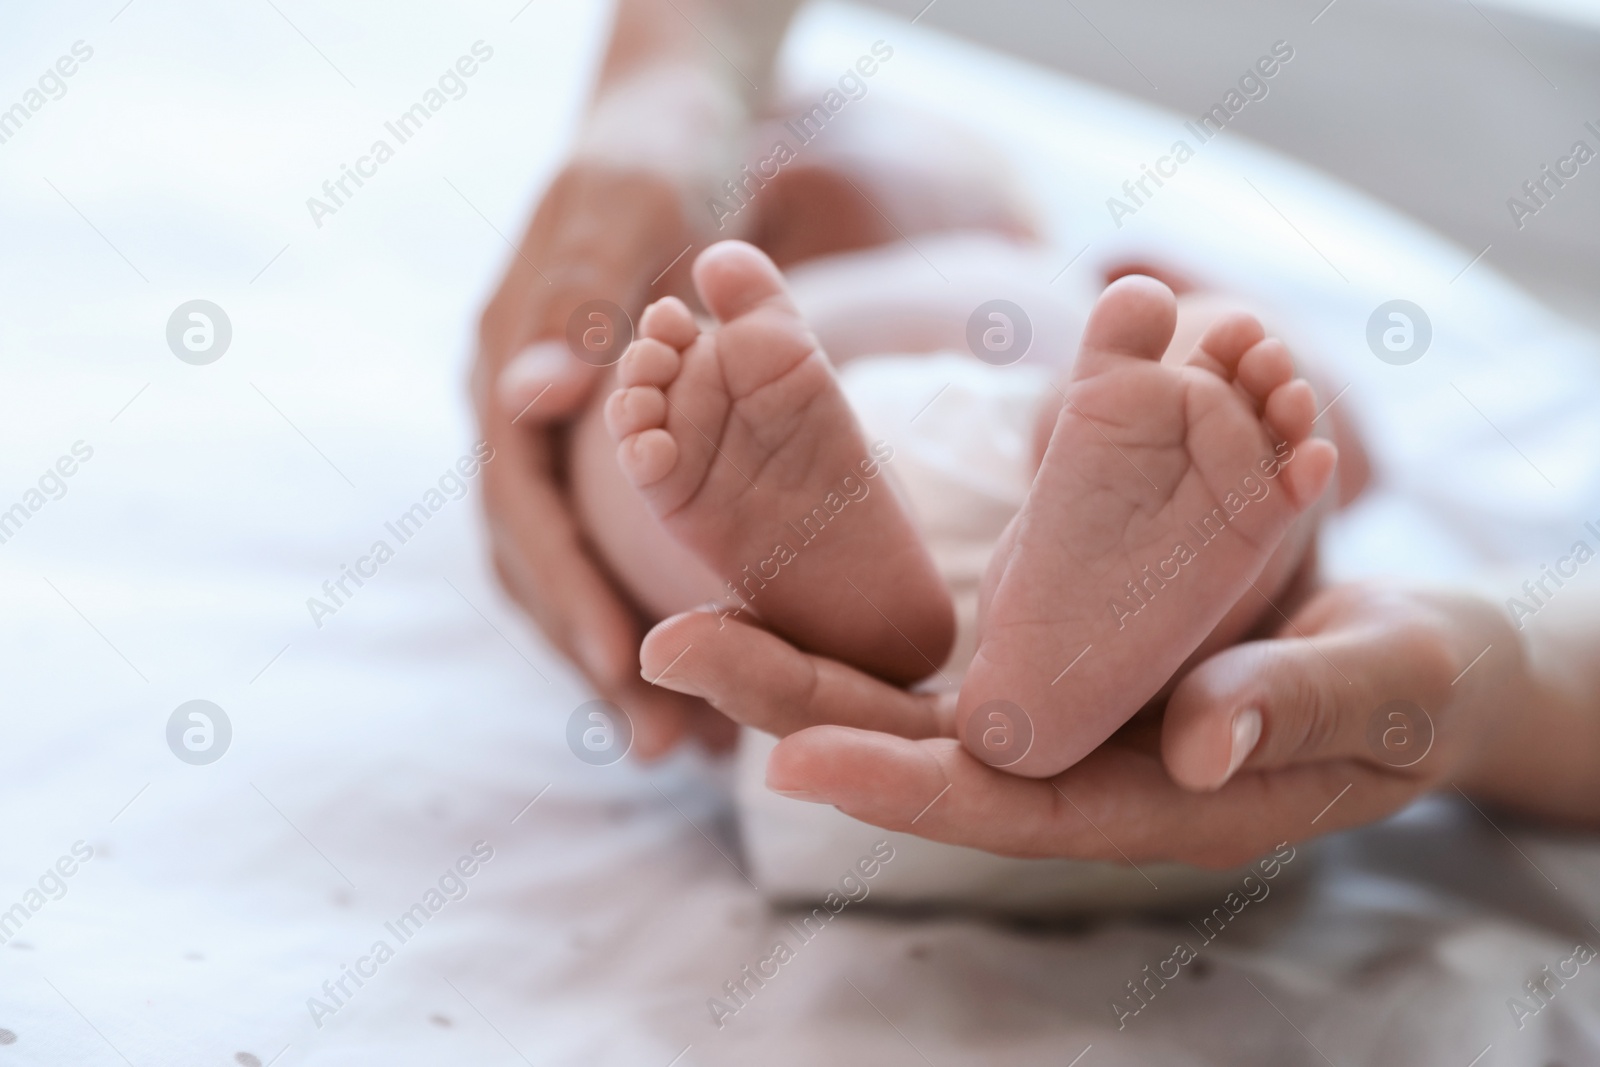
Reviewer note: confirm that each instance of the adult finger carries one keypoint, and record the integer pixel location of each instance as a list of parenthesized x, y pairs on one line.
[(1314, 694), (542, 378), (542, 557), (538, 550), (1118, 804), (544, 565), (762, 681), (660, 718), (592, 236), (591, 256), (524, 372)]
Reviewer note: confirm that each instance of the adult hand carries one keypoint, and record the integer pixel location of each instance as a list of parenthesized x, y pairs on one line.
[(601, 232), (1316, 763)]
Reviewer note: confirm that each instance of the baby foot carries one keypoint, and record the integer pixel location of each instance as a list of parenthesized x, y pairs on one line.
[(1162, 495), (743, 445)]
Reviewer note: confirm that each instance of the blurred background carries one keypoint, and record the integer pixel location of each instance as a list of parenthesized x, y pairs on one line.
[(1442, 108)]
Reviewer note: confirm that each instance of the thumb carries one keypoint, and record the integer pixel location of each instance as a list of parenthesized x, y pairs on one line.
[(549, 378), (543, 382), (1371, 693)]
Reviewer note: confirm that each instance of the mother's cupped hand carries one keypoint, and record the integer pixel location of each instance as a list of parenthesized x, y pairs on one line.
[(1166, 787), (602, 232)]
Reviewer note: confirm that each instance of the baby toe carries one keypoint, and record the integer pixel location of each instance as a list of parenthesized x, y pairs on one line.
[(669, 321), (1290, 410), (1265, 367), (649, 362), (1230, 337), (1308, 473), (647, 457), (1134, 318), (629, 411), (733, 278)]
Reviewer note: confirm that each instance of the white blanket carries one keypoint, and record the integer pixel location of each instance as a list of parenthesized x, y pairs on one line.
[(373, 753)]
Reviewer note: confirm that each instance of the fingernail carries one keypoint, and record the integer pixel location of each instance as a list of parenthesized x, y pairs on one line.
[(676, 683), (799, 794), (1246, 732), (536, 367)]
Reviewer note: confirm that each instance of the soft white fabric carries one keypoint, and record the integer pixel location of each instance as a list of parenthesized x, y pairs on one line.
[(425, 715)]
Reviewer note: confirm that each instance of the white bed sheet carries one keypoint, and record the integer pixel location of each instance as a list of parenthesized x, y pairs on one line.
[(425, 716)]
